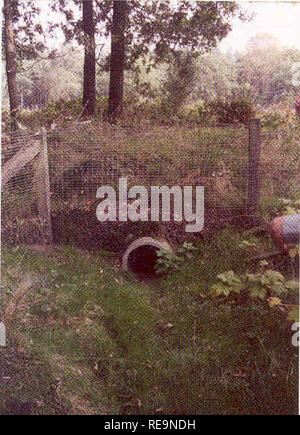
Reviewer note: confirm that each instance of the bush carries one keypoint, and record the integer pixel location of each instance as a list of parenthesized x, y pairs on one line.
[(59, 112), (53, 111), (61, 109), (195, 112), (238, 111), (179, 81), (277, 116)]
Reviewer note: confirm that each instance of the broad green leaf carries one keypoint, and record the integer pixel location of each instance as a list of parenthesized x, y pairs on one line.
[(229, 277), (220, 289), (252, 278), (272, 278), (246, 244), (258, 292), (279, 289)]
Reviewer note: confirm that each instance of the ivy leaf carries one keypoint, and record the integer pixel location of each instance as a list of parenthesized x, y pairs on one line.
[(273, 280), (231, 280), (279, 289), (246, 244), (274, 276), (289, 210), (228, 277)]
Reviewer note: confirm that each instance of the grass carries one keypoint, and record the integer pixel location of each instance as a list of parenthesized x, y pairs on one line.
[(94, 340)]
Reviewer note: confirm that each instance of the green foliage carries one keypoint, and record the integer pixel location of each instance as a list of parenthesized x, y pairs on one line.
[(265, 69), (278, 116), (59, 112), (179, 82), (232, 112), (266, 288), (197, 112), (60, 109), (165, 26), (169, 262), (216, 77), (290, 206), (218, 112), (279, 206), (51, 79), (28, 29), (271, 119)]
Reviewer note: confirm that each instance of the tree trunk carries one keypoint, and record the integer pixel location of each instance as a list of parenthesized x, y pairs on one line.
[(117, 61), (11, 63), (89, 69)]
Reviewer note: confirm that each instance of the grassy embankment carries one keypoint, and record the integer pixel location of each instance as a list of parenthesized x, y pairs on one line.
[(88, 339)]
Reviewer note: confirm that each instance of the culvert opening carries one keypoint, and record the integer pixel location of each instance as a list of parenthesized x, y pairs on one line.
[(141, 256), (142, 261)]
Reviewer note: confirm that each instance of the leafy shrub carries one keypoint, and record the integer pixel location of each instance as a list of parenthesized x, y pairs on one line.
[(271, 207), (276, 116), (290, 206), (195, 112), (53, 111), (270, 119), (179, 81), (170, 262), (61, 109), (265, 289), (238, 111), (101, 105), (152, 108)]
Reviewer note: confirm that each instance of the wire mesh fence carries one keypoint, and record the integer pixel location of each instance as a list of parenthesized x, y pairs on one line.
[(280, 164), (21, 222), (84, 157)]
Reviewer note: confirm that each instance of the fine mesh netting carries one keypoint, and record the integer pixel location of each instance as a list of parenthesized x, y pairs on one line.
[(84, 157)]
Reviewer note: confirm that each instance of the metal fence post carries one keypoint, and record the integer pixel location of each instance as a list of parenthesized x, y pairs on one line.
[(253, 169), (43, 189)]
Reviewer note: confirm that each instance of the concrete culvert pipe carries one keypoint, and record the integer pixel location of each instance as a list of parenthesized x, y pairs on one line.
[(141, 255)]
